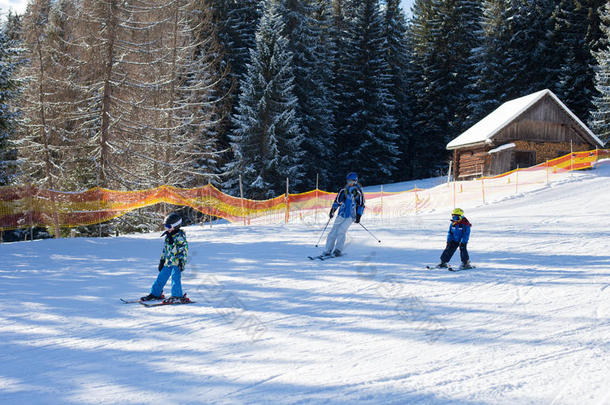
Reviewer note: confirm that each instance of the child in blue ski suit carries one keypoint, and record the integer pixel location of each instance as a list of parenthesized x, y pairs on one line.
[(457, 236), (350, 202), (173, 260)]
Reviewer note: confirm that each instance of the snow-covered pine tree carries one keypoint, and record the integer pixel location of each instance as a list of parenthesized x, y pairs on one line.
[(267, 139), (577, 37), (366, 134), (343, 73), (517, 55), (600, 116), (411, 164), (443, 35), (490, 71), (13, 26), (10, 87), (235, 22), (306, 27), (397, 57)]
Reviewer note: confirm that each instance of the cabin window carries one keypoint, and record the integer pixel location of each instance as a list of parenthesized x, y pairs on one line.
[(524, 159)]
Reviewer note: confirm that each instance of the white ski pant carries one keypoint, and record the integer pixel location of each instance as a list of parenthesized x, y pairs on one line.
[(336, 237)]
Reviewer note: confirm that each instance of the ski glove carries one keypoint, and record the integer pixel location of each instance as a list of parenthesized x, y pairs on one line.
[(332, 213), (358, 218), (161, 263), (181, 265)]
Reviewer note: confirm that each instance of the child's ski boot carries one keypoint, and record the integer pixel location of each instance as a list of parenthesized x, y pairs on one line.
[(466, 266), (151, 297), (174, 300)]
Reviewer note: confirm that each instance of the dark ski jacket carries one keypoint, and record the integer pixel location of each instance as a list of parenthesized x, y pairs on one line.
[(459, 231), (350, 201)]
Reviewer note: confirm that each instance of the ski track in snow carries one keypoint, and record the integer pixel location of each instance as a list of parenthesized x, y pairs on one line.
[(529, 325)]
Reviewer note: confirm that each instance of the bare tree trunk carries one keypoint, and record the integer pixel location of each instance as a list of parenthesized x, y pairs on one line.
[(44, 132), (112, 22)]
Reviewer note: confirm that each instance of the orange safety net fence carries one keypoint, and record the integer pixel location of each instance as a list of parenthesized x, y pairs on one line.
[(28, 206)]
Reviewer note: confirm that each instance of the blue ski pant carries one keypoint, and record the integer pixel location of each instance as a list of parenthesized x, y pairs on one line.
[(450, 250), (174, 271)]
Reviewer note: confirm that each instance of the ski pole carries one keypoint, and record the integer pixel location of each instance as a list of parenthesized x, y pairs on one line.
[(320, 238), (370, 233)]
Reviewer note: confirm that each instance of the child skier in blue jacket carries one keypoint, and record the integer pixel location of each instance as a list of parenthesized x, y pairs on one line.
[(350, 203), (457, 236), (173, 260)]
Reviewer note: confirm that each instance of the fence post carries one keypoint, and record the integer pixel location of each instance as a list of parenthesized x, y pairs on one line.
[(30, 208), (449, 172), (317, 200), (210, 202), (571, 158), (381, 213), (241, 194), (547, 172), (454, 192), (287, 217), (99, 191), (101, 204), (483, 188), (517, 180)]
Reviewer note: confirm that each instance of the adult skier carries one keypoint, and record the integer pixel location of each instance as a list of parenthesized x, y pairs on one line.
[(173, 260), (457, 236), (350, 203)]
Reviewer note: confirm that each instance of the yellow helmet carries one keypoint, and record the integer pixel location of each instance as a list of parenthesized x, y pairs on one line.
[(458, 211)]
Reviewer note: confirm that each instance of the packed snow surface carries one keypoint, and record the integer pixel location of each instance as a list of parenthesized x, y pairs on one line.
[(529, 325)]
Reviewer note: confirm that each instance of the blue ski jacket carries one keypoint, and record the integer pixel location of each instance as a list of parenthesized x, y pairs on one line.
[(350, 201), (459, 231)]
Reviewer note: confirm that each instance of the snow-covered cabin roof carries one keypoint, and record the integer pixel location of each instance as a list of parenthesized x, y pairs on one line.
[(484, 130)]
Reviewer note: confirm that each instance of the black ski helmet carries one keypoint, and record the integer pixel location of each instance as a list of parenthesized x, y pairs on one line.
[(173, 220)]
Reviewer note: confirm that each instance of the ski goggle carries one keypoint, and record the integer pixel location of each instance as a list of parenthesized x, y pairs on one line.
[(175, 224), (456, 217)]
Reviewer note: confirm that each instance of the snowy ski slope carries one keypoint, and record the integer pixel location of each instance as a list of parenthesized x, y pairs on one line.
[(530, 325)]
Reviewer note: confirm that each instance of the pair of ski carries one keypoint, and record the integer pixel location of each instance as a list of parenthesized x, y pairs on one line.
[(157, 303), (324, 257), (449, 268)]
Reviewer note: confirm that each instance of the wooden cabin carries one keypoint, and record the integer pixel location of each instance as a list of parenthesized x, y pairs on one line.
[(520, 133)]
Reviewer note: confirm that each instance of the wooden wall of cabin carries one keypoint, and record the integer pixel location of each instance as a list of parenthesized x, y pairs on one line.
[(544, 122), (549, 150), (500, 162), (470, 162)]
